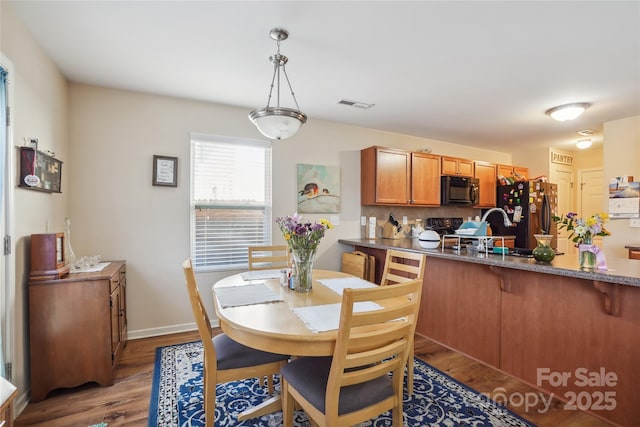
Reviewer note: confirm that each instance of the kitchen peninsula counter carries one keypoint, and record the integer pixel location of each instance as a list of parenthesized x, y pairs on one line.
[(620, 270), (532, 320)]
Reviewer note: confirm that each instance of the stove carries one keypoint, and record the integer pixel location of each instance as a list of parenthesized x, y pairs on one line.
[(444, 226)]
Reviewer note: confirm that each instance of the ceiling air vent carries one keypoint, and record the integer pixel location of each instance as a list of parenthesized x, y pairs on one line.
[(586, 132), (355, 104)]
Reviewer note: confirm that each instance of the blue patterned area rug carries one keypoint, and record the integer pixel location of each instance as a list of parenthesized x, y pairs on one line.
[(438, 400)]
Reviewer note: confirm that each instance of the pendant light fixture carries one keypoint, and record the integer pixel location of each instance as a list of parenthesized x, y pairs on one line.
[(278, 122)]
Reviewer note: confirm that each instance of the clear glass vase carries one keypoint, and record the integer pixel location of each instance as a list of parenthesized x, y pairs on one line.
[(543, 251), (303, 259), (70, 256), (587, 258)]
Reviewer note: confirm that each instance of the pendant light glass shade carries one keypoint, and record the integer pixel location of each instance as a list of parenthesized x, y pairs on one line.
[(583, 143), (567, 112), (278, 122)]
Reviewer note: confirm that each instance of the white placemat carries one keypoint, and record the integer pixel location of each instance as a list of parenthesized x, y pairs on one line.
[(261, 274), (337, 285), (322, 318), (235, 296)]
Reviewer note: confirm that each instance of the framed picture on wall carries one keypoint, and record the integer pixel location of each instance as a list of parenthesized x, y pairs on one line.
[(318, 189), (165, 171)]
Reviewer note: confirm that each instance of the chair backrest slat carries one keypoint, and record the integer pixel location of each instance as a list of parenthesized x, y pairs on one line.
[(268, 257)]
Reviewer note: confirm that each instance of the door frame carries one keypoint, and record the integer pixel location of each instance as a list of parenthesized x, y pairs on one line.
[(7, 267)]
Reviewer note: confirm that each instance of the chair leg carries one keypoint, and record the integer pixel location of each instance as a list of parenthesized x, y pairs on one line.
[(209, 400), (410, 374), (396, 416), (287, 404)]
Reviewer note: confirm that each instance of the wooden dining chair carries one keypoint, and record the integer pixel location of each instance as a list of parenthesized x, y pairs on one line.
[(355, 263), (225, 359), (400, 267), (268, 257), (354, 385)]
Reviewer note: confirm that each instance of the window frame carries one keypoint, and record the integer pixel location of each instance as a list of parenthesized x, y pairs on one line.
[(267, 207)]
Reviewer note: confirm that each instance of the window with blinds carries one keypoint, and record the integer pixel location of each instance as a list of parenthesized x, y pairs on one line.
[(230, 200)]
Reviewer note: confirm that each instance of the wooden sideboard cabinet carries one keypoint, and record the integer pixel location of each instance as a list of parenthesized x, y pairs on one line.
[(77, 328)]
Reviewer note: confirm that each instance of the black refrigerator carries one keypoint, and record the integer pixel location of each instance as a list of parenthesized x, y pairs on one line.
[(530, 205)]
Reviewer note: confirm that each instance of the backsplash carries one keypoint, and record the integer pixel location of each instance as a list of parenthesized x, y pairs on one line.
[(382, 215)]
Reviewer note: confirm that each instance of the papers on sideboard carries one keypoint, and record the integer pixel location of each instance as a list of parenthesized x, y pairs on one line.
[(337, 285), (90, 269), (323, 318), (235, 296)]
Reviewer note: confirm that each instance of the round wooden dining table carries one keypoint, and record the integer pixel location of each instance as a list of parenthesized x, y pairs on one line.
[(273, 326)]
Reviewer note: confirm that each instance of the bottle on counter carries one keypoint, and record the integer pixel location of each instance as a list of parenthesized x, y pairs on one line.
[(417, 228)]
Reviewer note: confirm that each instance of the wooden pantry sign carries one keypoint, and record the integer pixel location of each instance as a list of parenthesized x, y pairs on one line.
[(561, 158)]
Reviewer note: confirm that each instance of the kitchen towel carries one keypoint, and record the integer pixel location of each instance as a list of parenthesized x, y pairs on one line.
[(235, 296)]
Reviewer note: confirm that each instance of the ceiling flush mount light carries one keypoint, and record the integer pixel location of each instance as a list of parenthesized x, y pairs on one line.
[(583, 143), (278, 122), (562, 113)]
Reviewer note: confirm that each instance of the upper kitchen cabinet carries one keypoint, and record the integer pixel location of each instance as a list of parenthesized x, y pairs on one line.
[(508, 171), (396, 177), (425, 179), (486, 174), (457, 166)]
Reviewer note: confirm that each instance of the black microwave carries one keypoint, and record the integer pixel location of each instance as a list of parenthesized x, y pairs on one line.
[(459, 190)]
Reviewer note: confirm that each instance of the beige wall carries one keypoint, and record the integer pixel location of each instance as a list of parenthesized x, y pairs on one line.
[(40, 110), (116, 212), (621, 157)]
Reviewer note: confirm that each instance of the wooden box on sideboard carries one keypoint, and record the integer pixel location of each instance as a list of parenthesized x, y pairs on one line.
[(47, 256)]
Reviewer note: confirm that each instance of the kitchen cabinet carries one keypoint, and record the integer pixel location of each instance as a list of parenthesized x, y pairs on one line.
[(425, 179), (396, 177), (486, 174), (77, 329), (457, 166), (508, 171)]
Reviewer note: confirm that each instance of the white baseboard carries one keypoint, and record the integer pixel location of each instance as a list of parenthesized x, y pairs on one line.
[(166, 330)]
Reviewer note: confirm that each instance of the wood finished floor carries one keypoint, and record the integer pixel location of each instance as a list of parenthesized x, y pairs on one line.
[(126, 403)]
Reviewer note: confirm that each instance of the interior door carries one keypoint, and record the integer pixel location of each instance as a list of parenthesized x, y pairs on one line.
[(564, 179), (591, 197)]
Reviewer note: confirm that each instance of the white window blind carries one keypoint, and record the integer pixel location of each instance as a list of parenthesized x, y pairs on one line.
[(230, 200)]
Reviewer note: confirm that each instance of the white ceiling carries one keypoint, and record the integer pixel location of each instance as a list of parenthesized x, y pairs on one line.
[(475, 73)]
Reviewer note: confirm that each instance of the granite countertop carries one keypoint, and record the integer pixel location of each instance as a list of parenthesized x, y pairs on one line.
[(633, 246), (620, 270)]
